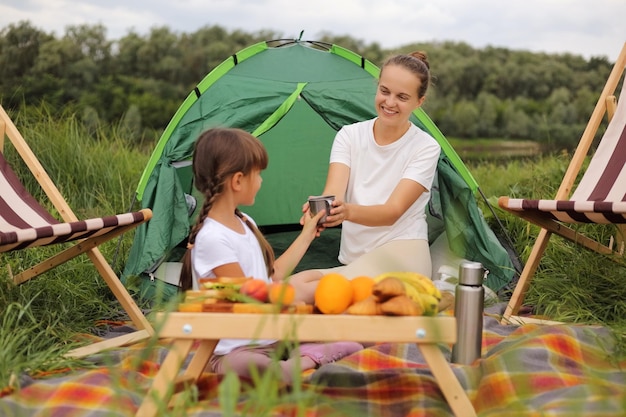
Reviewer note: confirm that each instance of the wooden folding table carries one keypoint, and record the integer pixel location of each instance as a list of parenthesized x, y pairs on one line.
[(207, 328)]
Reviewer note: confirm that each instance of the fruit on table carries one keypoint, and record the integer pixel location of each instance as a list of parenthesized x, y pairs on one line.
[(242, 295), (419, 288), (361, 288), (281, 293), (255, 288), (413, 280), (429, 303), (400, 293), (333, 294)]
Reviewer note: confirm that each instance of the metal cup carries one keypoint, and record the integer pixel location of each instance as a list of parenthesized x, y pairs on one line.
[(321, 203)]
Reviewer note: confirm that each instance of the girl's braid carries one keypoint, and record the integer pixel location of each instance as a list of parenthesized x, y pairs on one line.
[(210, 192)]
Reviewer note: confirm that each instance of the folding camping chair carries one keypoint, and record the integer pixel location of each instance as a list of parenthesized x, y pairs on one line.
[(24, 223), (599, 197)]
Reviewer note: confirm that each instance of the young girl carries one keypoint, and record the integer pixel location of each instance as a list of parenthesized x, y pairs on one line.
[(380, 173), (227, 165)]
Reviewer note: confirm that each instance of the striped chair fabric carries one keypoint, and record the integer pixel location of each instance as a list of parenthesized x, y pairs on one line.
[(25, 223), (600, 196)]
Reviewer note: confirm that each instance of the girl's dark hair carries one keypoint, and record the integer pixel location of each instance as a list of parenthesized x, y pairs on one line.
[(218, 154), (417, 63)]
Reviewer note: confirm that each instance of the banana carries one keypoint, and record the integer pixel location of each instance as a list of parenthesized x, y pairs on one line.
[(412, 292), (430, 304), (427, 284), (419, 300), (419, 288), (421, 283)]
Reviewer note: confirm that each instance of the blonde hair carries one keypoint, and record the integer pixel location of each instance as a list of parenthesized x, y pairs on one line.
[(218, 154), (417, 63)]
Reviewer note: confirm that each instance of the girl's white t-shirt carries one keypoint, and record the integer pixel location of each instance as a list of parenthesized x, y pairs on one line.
[(218, 245), (375, 171)]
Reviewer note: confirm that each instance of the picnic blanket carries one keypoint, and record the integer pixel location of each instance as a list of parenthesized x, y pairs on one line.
[(529, 370)]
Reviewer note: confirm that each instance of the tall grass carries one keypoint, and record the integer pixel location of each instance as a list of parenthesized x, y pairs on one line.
[(96, 172), (95, 169)]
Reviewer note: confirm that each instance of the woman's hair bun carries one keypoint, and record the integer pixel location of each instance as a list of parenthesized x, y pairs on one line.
[(421, 56)]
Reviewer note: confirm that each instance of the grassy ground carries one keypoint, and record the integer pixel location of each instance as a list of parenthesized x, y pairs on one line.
[(97, 171), (494, 149)]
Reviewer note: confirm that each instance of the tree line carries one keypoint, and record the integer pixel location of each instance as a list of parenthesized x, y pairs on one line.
[(139, 81)]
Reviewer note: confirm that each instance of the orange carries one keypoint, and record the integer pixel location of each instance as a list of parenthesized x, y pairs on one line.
[(281, 293), (333, 294), (361, 288)]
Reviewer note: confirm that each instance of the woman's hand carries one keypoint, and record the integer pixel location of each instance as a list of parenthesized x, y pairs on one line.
[(338, 213)]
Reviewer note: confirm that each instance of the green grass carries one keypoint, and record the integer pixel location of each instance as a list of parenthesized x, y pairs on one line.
[(26, 343), (494, 149), (98, 171)]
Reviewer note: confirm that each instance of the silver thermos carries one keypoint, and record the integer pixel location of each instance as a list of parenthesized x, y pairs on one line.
[(469, 302)]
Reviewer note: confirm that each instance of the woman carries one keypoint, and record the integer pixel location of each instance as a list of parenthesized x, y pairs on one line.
[(380, 173)]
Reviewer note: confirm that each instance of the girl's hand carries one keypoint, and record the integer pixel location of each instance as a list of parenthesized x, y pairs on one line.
[(307, 215), (309, 223), (305, 212)]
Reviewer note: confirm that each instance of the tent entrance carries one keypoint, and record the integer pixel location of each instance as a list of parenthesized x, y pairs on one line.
[(294, 143)]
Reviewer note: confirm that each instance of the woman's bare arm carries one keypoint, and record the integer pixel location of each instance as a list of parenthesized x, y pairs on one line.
[(403, 196)]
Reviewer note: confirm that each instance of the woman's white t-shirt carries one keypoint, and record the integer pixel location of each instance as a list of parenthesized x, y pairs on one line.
[(375, 171), (218, 245)]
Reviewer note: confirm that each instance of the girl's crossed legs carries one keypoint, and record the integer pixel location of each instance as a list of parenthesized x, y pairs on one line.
[(264, 357)]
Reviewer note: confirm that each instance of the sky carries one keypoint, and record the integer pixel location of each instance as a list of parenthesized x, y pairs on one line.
[(591, 28)]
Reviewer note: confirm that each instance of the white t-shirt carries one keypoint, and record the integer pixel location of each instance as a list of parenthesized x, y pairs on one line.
[(375, 171), (218, 245)]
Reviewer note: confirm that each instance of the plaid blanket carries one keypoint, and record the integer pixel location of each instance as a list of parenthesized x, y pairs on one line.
[(530, 370)]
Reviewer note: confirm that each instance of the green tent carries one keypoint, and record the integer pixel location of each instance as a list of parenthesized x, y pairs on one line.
[(294, 95)]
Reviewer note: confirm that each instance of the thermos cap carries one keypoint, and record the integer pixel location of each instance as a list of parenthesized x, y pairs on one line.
[(471, 273)]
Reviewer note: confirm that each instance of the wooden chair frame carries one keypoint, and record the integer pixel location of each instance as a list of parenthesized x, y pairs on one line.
[(87, 246), (615, 248)]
